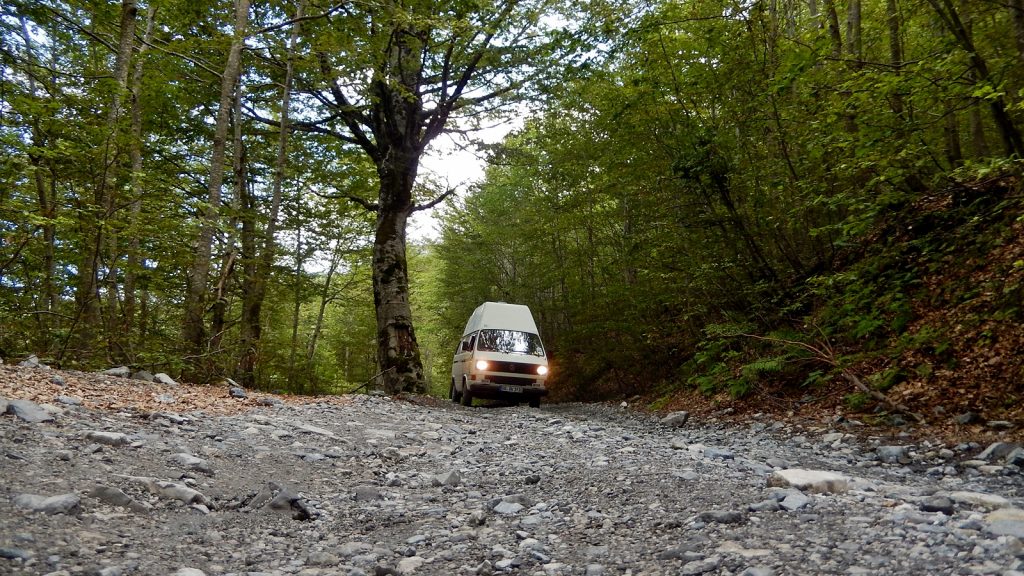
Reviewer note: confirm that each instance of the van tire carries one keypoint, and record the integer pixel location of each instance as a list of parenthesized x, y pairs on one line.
[(467, 397), (535, 403), (453, 394)]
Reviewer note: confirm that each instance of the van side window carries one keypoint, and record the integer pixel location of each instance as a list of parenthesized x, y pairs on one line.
[(472, 341)]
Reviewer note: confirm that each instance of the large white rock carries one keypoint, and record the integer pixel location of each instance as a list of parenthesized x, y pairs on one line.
[(989, 501), (1006, 522), (819, 481)]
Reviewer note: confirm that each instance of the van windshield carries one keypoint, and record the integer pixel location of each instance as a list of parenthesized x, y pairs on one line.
[(509, 342)]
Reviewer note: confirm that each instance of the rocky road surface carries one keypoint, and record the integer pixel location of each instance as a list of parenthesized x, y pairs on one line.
[(376, 486)]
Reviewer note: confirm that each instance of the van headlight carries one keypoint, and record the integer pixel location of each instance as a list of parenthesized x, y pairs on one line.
[(481, 364), (542, 370)]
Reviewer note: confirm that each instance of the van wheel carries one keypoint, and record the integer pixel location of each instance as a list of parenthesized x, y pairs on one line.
[(467, 397), (535, 403), (453, 394)]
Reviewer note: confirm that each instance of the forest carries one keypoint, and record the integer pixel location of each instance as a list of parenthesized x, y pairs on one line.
[(732, 198)]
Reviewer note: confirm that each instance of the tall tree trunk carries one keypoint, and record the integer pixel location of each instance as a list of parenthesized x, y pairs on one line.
[(293, 381), (258, 273), (45, 194), (951, 131), (895, 51), (976, 125), (833, 28), (219, 310), (133, 262), (1011, 136), (1017, 14), (95, 211), (108, 196), (193, 327), (398, 354), (854, 45), (325, 299)]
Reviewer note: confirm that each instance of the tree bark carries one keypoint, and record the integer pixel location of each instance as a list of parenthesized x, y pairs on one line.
[(1011, 136), (193, 326), (398, 353), (293, 378), (1017, 15), (45, 193), (134, 258), (258, 271), (951, 131), (895, 51), (833, 28)]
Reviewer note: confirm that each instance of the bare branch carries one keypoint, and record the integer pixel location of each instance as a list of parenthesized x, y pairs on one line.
[(434, 202), (369, 206), (326, 14)]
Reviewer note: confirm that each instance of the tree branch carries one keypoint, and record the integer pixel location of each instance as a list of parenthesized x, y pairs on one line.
[(369, 206), (326, 14), (434, 202)]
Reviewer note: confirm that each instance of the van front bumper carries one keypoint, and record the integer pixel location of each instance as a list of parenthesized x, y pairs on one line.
[(493, 390)]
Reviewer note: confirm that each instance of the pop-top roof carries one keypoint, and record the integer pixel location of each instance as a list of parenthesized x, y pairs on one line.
[(501, 316)]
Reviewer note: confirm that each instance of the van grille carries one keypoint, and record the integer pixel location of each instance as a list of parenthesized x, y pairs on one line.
[(512, 380), (513, 368)]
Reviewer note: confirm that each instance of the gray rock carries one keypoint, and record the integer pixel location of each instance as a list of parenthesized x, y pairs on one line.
[(968, 418), (366, 493), (532, 479), (321, 558), (15, 554), (795, 501), (172, 490), (979, 499), (58, 380), (722, 516), (679, 551), (161, 378), (676, 419), (701, 566), (1006, 522), (450, 478), (144, 376), (718, 454), (832, 438), (997, 451), (999, 424), (68, 400), (818, 481), (189, 572), (941, 504), (237, 392), (892, 454), (594, 570), (758, 571), (115, 497), (770, 505), (190, 462), (118, 372), (31, 362), (1015, 458), (108, 438), (508, 508), (28, 411), (61, 504)]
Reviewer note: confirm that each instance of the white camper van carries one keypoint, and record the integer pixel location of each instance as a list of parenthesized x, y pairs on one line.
[(500, 356)]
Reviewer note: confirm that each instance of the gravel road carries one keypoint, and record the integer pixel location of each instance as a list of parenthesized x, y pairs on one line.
[(377, 486)]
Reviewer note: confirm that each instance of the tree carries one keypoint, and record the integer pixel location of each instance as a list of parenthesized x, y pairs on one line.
[(390, 77), (193, 329)]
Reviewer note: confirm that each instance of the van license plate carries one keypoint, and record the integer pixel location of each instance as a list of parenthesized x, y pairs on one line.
[(517, 389)]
